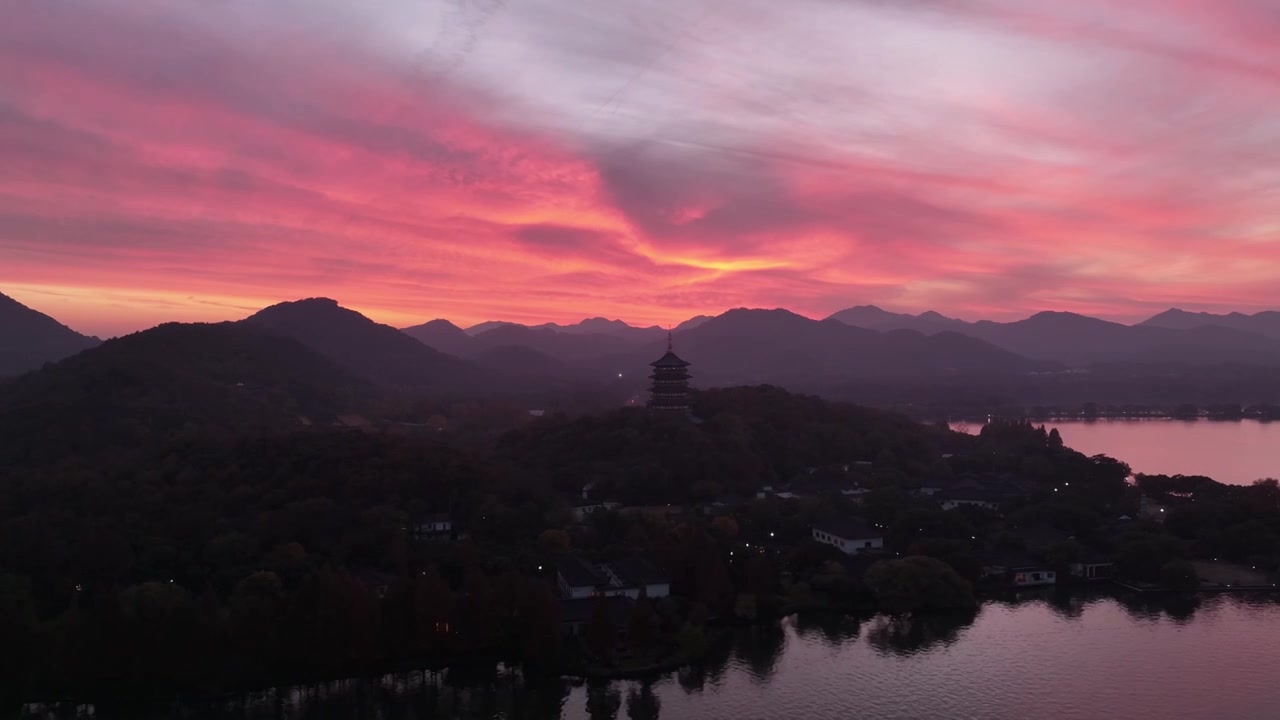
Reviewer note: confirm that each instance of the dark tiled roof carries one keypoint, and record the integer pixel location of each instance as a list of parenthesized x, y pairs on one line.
[(578, 572), (849, 529), (634, 571), (579, 611), (669, 360)]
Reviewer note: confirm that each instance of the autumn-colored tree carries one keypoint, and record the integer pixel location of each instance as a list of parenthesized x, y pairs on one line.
[(554, 541), (725, 527)]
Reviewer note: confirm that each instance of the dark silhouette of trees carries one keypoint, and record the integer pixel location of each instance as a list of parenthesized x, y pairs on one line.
[(643, 631), (600, 633), (919, 583), (1179, 575)]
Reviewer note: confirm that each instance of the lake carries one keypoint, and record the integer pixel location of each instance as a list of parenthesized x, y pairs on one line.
[(1236, 452), (1054, 655)]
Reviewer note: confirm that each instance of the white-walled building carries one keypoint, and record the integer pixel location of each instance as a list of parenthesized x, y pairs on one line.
[(850, 536), (629, 577)]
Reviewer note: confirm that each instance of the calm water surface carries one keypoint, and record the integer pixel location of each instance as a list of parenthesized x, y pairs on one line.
[(1055, 657), (1231, 452)]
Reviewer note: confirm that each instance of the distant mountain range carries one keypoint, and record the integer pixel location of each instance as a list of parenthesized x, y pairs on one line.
[(777, 346), (340, 347), (29, 339), (1264, 323), (1079, 340)]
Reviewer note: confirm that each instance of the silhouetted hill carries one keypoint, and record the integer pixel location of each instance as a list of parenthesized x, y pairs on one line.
[(603, 326), (1263, 323), (1171, 337), (376, 352), (750, 436), (1080, 340), (596, 326), (29, 339), (173, 380), (778, 346), (692, 322), (874, 318), (520, 359), (571, 347), (487, 325), (442, 335)]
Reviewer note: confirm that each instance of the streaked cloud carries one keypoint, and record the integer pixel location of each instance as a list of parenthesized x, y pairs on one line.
[(644, 159)]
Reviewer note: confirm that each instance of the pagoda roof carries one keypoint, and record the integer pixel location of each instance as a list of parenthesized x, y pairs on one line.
[(669, 360)]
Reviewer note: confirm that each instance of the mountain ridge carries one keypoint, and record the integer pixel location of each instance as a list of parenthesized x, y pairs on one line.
[(376, 352), (29, 338)]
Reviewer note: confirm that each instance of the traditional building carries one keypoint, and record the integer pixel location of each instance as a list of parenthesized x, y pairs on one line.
[(670, 390)]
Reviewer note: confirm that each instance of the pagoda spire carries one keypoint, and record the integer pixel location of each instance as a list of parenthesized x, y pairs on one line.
[(670, 389)]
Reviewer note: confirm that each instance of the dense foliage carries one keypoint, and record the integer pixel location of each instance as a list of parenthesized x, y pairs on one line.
[(293, 554), (745, 438), (173, 381)]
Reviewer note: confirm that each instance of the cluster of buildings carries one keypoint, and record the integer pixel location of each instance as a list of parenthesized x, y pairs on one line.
[(619, 583), (1019, 568)]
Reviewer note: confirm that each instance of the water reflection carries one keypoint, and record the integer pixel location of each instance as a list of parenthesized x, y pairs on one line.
[(912, 634), (1013, 657), (1153, 606), (603, 700), (833, 628), (642, 703), (759, 649), (695, 678)]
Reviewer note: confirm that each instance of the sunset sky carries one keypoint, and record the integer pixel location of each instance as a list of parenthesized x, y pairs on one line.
[(547, 160)]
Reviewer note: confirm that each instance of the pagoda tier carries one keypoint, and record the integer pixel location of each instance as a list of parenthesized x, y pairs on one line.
[(670, 389)]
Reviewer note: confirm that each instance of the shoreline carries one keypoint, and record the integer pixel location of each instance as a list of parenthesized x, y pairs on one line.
[(1128, 417)]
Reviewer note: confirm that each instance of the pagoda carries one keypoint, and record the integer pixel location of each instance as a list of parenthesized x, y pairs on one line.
[(670, 390)]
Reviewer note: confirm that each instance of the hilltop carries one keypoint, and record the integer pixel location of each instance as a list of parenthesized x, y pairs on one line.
[(29, 339)]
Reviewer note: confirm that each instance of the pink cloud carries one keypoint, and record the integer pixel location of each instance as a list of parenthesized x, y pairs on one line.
[(979, 157)]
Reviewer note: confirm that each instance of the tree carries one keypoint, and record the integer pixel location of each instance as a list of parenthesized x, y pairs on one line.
[(1180, 575), (17, 633), (477, 612), (554, 541), (1142, 556), (955, 553), (919, 583), (725, 527), (714, 585), (1055, 440), (600, 633), (257, 613), (642, 626), (542, 628)]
